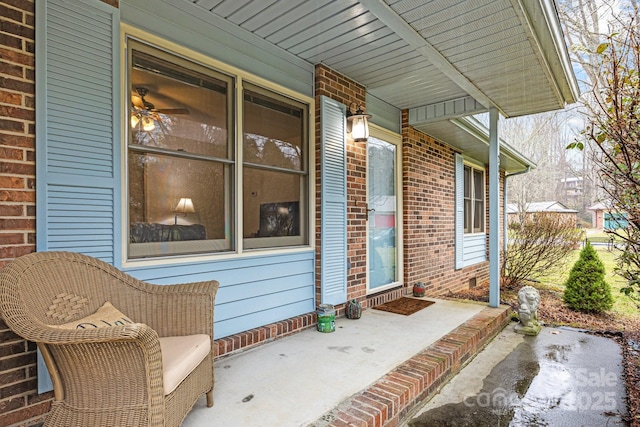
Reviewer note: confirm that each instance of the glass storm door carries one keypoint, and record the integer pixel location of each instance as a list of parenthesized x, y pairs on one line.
[(382, 206)]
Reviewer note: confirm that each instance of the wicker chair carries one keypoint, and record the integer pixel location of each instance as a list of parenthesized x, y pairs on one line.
[(109, 376)]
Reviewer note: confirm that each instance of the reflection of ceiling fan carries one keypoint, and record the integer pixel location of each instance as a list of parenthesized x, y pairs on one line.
[(145, 113), (141, 103)]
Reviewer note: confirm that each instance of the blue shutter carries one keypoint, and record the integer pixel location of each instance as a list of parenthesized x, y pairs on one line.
[(459, 213), (333, 213), (78, 127), (77, 132)]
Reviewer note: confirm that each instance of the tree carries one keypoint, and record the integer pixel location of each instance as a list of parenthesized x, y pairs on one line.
[(585, 289), (613, 130), (538, 245)]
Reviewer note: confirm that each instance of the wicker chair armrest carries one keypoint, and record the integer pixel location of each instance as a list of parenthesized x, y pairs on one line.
[(128, 357), (54, 335), (181, 309)]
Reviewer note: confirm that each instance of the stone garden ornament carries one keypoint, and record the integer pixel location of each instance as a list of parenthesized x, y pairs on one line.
[(528, 302)]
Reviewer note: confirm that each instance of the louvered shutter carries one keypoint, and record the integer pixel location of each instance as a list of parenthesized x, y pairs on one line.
[(334, 202), (77, 131), (459, 212)]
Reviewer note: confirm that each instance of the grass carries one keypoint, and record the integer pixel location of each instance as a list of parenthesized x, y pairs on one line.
[(623, 305)]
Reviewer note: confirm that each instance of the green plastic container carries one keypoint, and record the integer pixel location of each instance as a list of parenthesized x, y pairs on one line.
[(326, 318)]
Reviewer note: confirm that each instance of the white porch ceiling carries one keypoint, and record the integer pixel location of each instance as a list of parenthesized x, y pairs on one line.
[(507, 54)]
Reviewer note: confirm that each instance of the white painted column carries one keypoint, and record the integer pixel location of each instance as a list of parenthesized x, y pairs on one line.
[(494, 210)]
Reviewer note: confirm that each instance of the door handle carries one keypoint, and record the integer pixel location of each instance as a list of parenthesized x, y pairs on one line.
[(369, 211)]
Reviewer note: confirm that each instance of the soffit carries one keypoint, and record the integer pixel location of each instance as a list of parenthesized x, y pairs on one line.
[(471, 138), (411, 53)]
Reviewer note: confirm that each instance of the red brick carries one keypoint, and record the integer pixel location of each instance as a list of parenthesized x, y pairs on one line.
[(351, 419), (380, 408), (24, 414), (12, 404), (37, 398), (18, 141), (10, 98), (16, 57), (17, 113), (12, 14), (12, 125), (17, 85), (25, 5), (17, 196)]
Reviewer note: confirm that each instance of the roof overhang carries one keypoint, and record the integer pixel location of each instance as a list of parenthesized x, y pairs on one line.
[(443, 61), (469, 136), (506, 54)]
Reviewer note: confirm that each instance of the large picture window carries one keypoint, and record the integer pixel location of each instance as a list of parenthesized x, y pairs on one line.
[(474, 210), (182, 166)]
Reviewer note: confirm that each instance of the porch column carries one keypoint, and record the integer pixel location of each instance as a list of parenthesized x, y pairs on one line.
[(494, 209)]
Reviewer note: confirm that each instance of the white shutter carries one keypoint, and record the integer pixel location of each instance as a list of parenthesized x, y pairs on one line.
[(334, 202)]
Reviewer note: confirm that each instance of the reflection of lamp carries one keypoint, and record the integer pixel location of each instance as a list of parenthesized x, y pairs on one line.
[(357, 124), (185, 206)]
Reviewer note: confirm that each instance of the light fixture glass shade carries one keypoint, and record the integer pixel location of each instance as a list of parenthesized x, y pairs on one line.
[(360, 128), (134, 121), (358, 124), (148, 124), (184, 206)]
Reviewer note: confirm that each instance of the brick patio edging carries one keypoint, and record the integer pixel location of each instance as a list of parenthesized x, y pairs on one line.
[(390, 399)]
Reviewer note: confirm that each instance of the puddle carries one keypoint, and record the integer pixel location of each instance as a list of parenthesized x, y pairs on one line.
[(545, 381)]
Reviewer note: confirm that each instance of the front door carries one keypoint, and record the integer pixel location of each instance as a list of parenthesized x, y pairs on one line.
[(382, 206)]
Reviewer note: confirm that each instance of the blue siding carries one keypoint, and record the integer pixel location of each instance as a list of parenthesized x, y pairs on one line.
[(254, 291), (383, 114), (475, 249)]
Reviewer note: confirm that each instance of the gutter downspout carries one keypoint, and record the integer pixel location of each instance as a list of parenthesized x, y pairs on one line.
[(504, 204)]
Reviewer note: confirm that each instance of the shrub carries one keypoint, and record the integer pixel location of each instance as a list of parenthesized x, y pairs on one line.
[(538, 245), (585, 289)]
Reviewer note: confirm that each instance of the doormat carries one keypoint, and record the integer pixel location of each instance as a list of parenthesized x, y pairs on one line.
[(405, 306)]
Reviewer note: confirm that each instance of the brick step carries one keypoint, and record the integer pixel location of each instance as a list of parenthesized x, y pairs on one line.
[(392, 397)]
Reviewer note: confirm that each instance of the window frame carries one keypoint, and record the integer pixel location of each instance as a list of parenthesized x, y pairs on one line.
[(473, 199), (260, 243), (227, 244), (241, 76)]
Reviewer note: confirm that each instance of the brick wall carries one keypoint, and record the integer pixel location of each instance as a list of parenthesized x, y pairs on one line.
[(429, 201), (19, 402)]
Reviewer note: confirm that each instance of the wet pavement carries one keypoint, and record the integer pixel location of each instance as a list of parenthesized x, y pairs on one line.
[(561, 377)]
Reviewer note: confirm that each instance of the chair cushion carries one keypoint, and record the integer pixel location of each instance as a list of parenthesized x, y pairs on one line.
[(180, 356), (105, 316)]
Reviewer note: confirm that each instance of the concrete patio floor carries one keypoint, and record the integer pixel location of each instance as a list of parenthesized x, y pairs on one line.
[(369, 372)]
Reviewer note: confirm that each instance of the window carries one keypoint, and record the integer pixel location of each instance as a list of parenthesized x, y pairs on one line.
[(473, 200), (274, 169), (182, 168)]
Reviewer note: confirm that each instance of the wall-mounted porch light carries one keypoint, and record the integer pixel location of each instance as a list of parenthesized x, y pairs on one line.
[(357, 124)]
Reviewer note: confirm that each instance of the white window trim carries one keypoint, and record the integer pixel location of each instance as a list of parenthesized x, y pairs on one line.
[(128, 31)]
